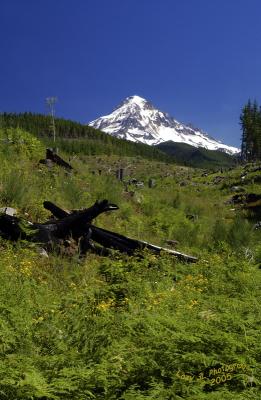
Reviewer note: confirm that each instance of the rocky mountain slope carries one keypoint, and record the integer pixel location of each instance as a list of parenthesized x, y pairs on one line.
[(137, 120)]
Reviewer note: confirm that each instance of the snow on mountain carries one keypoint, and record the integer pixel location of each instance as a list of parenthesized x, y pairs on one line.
[(137, 120)]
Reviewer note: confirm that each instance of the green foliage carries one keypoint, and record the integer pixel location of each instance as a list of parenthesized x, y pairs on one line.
[(258, 254), (75, 138), (119, 326), (14, 190), (240, 233), (197, 157), (141, 327), (250, 120), (21, 142)]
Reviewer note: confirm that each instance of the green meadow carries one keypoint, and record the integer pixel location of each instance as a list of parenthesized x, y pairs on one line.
[(121, 327)]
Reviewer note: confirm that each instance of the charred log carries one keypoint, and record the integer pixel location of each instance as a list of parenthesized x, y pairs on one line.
[(127, 245), (77, 225), (117, 241), (56, 211), (51, 155), (10, 228)]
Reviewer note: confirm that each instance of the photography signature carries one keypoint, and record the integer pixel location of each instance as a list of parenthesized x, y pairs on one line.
[(214, 376)]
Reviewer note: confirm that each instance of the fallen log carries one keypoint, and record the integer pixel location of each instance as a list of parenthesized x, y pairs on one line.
[(127, 245), (114, 240), (69, 225), (10, 228), (56, 211), (51, 155), (77, 225), (54, 158)]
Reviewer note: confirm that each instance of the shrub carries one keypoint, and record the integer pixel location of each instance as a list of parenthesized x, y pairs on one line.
[(239, 233)]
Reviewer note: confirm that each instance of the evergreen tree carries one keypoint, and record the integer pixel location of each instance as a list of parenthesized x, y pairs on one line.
[(250, 120), (74, 137)]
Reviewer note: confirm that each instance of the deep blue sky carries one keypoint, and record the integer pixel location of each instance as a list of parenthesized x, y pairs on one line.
[(198, 60)]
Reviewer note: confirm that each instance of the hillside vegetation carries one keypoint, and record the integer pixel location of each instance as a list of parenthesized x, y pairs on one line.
[(75, 138), (197, 157), (140, 327)]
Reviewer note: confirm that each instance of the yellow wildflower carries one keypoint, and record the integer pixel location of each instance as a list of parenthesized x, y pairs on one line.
[(193, 303), (36, 321), (103, 306), (26, 267)]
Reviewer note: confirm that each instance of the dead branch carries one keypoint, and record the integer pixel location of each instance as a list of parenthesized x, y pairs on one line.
[(77, 225), (117, 241)]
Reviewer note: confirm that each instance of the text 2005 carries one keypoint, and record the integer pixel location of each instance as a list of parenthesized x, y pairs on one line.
[(220, 379)]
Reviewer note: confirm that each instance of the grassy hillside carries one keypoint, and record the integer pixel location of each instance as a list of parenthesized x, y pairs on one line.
[(141, 327), (74, 137), (197, 157)]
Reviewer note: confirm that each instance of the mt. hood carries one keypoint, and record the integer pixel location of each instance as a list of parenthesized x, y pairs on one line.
[(136, 119)]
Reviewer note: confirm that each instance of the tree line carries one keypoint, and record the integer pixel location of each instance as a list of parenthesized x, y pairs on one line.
[(250, 121), (74, 137)]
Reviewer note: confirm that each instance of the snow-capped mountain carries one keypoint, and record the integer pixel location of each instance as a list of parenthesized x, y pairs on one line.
[(136, 119)]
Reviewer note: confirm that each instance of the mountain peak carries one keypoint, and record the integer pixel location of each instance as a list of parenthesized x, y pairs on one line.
[(133, 101), (137, 120)]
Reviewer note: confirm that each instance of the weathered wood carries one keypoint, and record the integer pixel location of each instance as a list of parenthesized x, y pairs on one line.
[(77, 225), (10, 229), (56, 211), (127, 245), (120, 174), (120, 242), (51, 155), (152, 183), (69, 224), (74, 223)]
